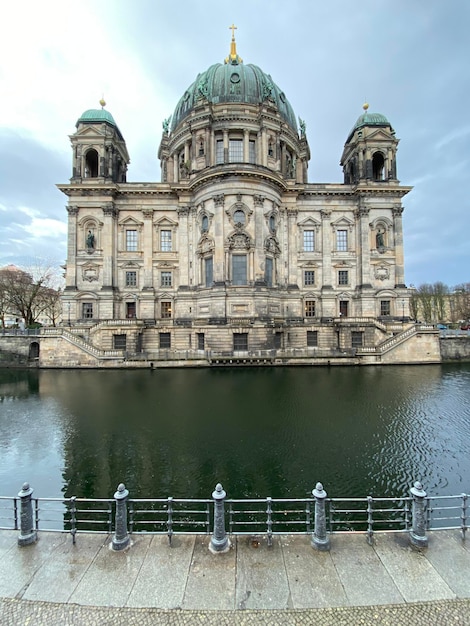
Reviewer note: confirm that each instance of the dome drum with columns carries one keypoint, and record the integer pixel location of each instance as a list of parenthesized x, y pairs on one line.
[(234, 255)]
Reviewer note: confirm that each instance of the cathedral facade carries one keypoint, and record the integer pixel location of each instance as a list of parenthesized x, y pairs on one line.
[(234, 256)]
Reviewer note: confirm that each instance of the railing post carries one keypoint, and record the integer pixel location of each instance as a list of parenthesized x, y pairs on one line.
[(121, 537), (28, 534), (320, 541), (219, 541), (418, 518)]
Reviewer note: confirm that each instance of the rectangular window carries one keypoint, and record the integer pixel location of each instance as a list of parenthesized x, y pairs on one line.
[(87, 310), (268, 272), (240, 342), (309, 277), (343, 308), (309, 308), (219, 151), (312, 338), (119, 342), (200, 341), (357, 339), (131, 310), (251, 152), (131, 240), (239, 269), (166, 279), (278, 341), (131, 279), (235, 150), (165, 240), (343, 277), (165, 340), (342, 240), (309, 240), (385, 307), (166, 310), (209, 271)]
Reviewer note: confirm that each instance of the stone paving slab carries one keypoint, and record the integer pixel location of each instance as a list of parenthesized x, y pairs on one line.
[(411, 570), (19, 565), (450, 556), (111, 576), (162, 578), (313, 579), (261, 575), (60, 574), (211, 579), (361, 572)]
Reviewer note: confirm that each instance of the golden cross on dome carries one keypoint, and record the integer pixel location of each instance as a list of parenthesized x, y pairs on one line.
[(233, 56)]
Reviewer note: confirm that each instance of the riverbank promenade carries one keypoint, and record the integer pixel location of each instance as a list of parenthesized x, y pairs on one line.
[(56, 582)]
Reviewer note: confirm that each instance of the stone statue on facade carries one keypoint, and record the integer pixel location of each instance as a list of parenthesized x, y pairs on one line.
[(90, 241)]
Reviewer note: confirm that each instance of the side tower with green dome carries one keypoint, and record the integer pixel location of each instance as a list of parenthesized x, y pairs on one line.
[(99, 149)]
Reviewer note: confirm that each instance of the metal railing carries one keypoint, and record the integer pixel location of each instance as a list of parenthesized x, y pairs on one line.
[(415, 514)]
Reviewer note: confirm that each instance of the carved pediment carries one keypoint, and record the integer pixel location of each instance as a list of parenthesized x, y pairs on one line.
[(239, 241), (90, 272), (272, 246), (382, 271), (206, 245)]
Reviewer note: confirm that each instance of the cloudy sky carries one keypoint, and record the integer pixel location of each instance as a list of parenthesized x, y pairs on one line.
[(410, 59)]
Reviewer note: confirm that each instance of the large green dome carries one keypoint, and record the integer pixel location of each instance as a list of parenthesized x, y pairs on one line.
[(233, 82)]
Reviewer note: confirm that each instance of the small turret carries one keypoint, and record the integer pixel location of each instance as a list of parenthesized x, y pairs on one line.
[(369, 153), (99, 149)]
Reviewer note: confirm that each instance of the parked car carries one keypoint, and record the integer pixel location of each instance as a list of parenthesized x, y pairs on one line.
[(465, 326), (441, 326)]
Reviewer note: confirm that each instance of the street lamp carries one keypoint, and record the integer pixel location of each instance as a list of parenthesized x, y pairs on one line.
[(403, 310), (68, 311)]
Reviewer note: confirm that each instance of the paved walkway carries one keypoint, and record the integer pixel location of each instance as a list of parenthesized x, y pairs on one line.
[(55, 582)]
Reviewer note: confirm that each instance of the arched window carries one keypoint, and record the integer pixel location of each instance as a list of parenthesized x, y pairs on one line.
[(204, 224), (239, 217), (91, 164), (378, 166), (352, 173)]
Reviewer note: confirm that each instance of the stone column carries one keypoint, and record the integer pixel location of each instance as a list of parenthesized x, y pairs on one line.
[(108, 243), (246, 143), (292, 233), (72, 235), (220, 269), (399, 256), (362, 219), (208, 147), (148, 248), (326, 248), (183, 212), (226, 147)]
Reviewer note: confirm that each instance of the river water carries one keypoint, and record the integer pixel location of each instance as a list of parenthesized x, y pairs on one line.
[(259, 431)]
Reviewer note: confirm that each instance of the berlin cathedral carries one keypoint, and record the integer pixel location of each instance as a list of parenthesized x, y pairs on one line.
[(234, 256)]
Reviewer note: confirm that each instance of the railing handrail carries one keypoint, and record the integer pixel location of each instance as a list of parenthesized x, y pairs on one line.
[(267, 515)]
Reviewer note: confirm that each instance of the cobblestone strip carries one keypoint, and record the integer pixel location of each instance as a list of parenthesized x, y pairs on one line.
[(26, 613)]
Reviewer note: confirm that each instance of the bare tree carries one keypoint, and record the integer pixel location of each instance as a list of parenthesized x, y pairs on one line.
[(27, 291), (440, 293), (461, 301)]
